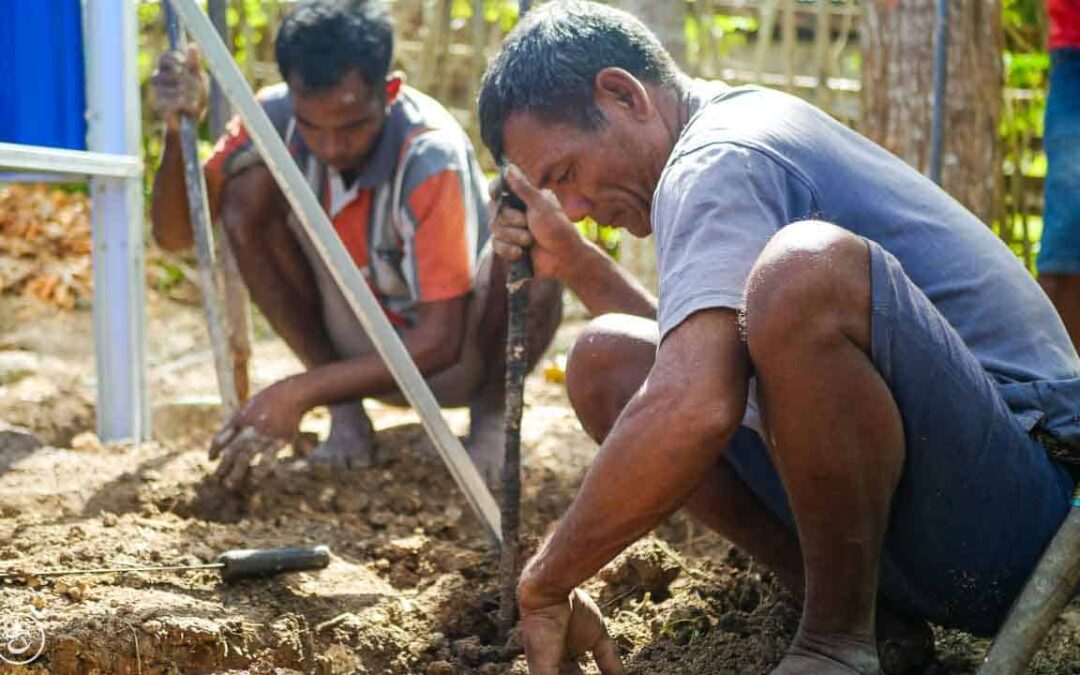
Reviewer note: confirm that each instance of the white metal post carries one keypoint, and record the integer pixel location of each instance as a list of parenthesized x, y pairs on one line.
[(113, 124)]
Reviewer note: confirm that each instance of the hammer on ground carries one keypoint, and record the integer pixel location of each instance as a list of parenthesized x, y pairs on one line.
[(1044, 596), (234, 565)]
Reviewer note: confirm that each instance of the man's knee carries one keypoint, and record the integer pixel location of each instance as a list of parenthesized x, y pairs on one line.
[(606, 366), (811, 281)]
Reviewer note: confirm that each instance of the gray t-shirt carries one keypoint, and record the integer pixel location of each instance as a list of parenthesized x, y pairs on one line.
[(752, 160)]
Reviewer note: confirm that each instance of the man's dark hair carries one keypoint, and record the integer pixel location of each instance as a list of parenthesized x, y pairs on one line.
[(322, 41), (549, 62)]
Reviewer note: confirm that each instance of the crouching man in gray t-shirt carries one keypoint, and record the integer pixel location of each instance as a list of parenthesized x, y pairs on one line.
[(847, 374)]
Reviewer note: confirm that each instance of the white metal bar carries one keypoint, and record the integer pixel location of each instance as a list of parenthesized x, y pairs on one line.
[(341, 266), (113, 126), (36, 158)]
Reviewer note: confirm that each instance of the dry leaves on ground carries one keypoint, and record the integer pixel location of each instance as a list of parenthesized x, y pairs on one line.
[(45, 244)]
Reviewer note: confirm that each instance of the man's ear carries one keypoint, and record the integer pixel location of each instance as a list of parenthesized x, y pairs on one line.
[(394, 83), (616, 87)]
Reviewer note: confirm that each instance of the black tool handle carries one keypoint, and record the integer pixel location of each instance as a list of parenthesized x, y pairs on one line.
[(265, 562)]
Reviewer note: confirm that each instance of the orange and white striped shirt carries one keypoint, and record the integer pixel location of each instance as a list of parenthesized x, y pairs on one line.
[(415, 218)]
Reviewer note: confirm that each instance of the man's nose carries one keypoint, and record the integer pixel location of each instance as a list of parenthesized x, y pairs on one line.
[(335, 147), (576, 206)]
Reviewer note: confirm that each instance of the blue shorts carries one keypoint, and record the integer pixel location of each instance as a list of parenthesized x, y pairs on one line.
[(978, 499), (1059, 252)]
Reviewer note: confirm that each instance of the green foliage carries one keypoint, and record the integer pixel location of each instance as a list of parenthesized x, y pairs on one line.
[(164, 274), (604, 236), (503, 13), (710, 35)]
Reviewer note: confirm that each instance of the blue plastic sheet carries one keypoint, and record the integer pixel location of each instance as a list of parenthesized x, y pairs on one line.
[(42, 86)]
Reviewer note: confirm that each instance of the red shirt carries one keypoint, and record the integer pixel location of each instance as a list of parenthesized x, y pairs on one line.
[(1064, 23)]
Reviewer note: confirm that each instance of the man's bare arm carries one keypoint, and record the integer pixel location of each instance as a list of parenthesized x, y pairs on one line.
[(178, 88), (604, 286), (434, 344), (676, 426)]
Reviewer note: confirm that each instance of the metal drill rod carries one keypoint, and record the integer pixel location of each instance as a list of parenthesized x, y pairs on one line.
[(235, 296), (199, 215), (517, 367), (111, 570)]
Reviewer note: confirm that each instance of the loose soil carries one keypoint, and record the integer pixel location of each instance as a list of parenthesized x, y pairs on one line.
[(412, 583)]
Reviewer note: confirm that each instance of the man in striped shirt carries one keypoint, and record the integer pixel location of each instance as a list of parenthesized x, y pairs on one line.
[(401, 184)]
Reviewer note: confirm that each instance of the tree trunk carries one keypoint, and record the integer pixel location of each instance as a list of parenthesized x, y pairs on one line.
[(665, 19), (898, 86)]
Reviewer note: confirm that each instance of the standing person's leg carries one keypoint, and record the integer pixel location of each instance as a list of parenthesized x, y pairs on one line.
[(1059, 253), (278, 272)]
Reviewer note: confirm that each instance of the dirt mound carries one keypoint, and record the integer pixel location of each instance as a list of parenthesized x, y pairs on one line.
[(411, 587)]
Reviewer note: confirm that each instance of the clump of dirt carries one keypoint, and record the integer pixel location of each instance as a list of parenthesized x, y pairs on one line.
[(648, 566)]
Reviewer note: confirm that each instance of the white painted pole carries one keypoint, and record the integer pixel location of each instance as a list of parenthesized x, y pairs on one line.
[(341, 266), (114, 126)]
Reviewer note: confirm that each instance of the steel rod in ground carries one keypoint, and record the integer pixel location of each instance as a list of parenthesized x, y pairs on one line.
[(517, 367), (237, 319), (199, 215), (234, 291), (517, 357)]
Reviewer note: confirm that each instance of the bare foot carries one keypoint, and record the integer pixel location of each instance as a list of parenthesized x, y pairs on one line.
[(486, 443), (351, 443), (831, 655)]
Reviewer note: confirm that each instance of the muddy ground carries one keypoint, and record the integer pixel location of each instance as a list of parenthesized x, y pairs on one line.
[(411, 587)]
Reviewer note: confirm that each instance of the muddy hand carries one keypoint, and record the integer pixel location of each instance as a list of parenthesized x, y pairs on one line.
[(543, 226), (555, 637), (178, 86), (238, 449), (257, 431)]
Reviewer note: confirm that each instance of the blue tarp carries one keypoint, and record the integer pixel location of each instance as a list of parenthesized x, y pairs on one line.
[(42, 89)]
